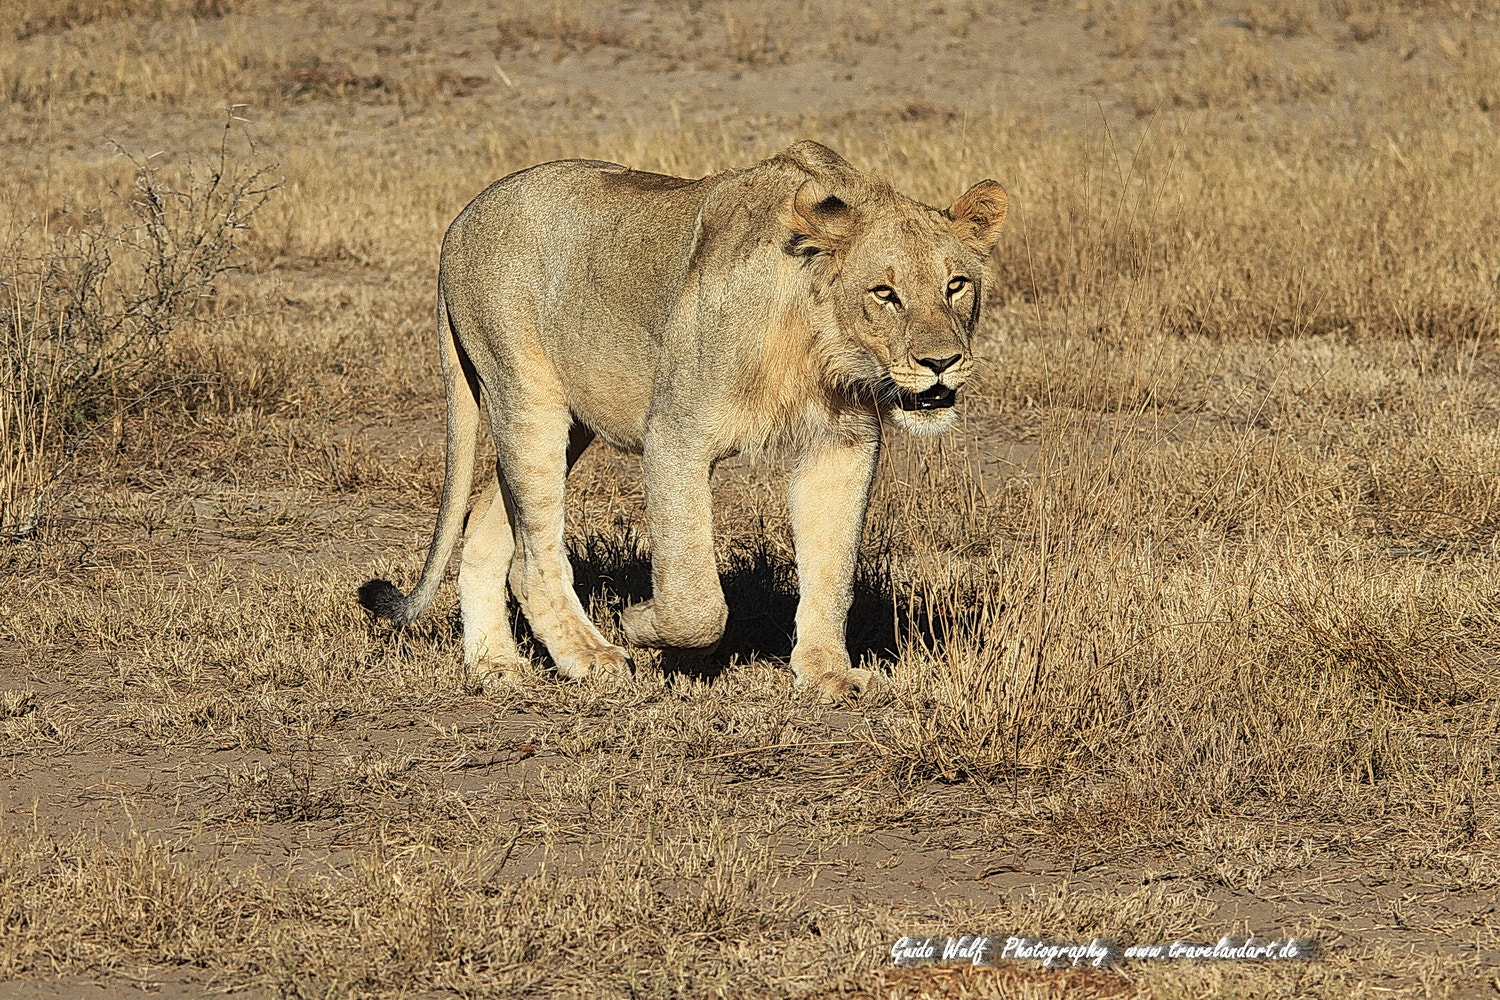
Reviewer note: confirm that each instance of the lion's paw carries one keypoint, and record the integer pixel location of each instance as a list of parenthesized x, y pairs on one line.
[(830, 673), (610, 663), (841, 685), (697, 627), (638, 622)]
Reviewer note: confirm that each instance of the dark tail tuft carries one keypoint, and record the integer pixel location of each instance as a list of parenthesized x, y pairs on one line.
[(384, 599)]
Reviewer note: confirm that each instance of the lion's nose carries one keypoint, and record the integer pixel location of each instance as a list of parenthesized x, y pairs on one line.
[(939, 365)]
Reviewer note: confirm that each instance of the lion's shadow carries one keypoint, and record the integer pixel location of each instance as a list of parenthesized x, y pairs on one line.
[(760, 589)]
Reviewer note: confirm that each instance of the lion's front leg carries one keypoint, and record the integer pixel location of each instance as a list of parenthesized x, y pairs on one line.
[(687, 609), (829, 494)]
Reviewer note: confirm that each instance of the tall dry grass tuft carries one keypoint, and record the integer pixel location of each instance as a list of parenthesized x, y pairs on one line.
[(29, 377)]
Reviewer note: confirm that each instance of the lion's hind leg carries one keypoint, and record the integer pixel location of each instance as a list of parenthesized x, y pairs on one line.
[(490, 649), (537, 445)]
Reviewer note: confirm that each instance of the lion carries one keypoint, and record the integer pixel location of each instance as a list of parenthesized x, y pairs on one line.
[(796, 305)]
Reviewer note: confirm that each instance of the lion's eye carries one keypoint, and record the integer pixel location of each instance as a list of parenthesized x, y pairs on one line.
[(886, 293), (957, 284)]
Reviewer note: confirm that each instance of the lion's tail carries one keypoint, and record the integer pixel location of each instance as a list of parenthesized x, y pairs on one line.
[(383, 597)]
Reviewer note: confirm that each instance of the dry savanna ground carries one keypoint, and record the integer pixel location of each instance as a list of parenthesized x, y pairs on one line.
[(1191, 628)]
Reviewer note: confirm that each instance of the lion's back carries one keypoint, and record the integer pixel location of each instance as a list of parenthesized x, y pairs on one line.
[(575, 204), (588, 263)]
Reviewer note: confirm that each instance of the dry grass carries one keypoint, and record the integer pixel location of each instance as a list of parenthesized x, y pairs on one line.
[(24, 18), (1191, 629)]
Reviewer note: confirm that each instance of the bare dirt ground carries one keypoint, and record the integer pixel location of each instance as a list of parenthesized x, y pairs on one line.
[(1188, 631)]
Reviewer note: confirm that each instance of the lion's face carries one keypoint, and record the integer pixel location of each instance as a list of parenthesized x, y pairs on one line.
[(909, 298), (905, 284)]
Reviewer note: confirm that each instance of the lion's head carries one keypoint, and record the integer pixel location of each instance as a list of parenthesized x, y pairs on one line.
[(897, 284)]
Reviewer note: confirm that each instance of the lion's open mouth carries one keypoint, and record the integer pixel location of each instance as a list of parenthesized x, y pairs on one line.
[(939, 397)]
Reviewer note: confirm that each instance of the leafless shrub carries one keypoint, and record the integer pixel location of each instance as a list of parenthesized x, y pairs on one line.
[(87, 320), (286, 795)]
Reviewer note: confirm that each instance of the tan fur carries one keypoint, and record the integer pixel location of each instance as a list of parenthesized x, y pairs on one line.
[(795, 304)]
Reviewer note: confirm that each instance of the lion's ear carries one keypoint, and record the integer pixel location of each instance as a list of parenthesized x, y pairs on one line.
[(820, 221), (977, 216), (817, 160)]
